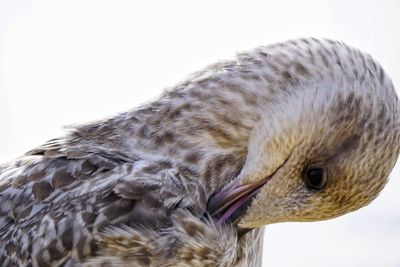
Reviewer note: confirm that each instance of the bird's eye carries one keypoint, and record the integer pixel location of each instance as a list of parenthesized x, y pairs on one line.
[(315, 178)]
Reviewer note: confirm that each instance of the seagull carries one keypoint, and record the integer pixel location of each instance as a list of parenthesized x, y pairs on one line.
[(298, 131)]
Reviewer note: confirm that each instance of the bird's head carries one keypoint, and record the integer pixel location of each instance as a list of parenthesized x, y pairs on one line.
[(323, 147)]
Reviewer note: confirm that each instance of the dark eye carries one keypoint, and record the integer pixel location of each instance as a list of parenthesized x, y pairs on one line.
[(315, 178)]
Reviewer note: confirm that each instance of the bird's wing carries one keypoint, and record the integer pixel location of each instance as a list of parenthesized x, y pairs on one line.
[(55, 200)]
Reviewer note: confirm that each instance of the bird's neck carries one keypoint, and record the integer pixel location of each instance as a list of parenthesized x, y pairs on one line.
[(204, 129)]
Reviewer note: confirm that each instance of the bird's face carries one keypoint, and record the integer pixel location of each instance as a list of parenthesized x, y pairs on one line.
[(330, 156)]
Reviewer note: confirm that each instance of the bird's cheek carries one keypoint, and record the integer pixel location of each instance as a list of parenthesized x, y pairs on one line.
[(264, 209)]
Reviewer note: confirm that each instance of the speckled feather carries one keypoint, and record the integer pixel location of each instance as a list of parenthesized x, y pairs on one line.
[(132, 190)]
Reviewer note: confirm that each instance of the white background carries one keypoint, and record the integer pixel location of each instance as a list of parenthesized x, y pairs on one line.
[(64, 62)]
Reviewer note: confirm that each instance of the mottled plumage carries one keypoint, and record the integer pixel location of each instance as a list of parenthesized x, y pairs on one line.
[(190, 178)]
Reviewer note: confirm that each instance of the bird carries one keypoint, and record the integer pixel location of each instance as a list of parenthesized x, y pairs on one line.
[(297, 131)]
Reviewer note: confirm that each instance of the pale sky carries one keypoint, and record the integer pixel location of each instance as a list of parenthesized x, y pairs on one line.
[(65, 62)]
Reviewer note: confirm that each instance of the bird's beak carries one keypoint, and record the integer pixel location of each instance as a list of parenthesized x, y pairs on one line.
[(231, 203)]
